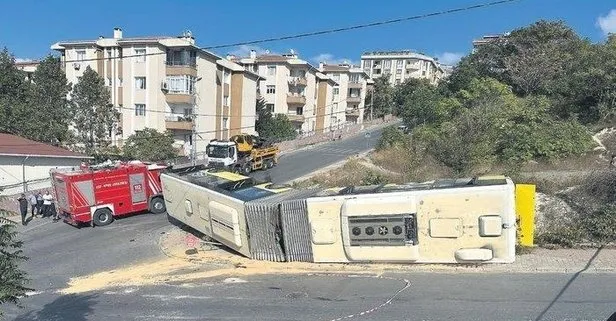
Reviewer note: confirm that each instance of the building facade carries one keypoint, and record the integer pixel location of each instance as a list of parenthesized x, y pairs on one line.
[(29, 67), (167, 83), (291, 86), (349, 95), (488, 39), (400, 66)]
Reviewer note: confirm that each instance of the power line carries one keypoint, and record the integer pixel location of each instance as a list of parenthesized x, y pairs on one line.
[(212, 131), (321, 32)]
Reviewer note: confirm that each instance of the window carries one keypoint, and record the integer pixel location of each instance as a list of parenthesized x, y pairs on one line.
[(336, 77), (336, 91), (119, 82), (139, 82), (181, 84), (335, 106), (226, 77), (109, 53), (270, 89), (188, 138), (270, 108), (187, 112), (398, 71), (354, 78), (225, 123), (387, 64), (366, 64), (298, 73), (354, 92), (139, 109), (225, 101), (271, 70), (120, 52), (423, 73), (299, 110), (181, 57), (81, 55), (140, 53), (107, 81), (399, 63)]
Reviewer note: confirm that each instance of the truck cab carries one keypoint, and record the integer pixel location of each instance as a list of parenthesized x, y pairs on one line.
[(221, 153)]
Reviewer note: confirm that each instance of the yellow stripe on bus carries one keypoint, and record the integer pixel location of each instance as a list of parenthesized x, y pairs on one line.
[(229, 176)]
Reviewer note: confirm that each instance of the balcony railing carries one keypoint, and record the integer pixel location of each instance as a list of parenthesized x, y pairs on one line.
[(298, 81), (178, 122), (180, 98), (352, 112), (179, 68), (355, 84), (293, 98), (353, 99), (295, 117)]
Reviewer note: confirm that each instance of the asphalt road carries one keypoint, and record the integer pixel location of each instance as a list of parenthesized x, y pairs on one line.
[(309, 159), (473, 297), (58, 252)]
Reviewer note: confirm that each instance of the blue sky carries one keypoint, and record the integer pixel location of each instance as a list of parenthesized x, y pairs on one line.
[(28, 27)]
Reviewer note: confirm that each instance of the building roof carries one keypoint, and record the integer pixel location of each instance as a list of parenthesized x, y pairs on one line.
[(11, 145)]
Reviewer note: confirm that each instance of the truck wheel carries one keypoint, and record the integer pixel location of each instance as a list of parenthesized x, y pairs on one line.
[(269, 163), (102, 217), (246, 169), (157, 205)]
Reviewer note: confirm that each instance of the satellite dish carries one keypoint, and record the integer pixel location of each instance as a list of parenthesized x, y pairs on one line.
[(267, 51), (292, 51), (188, 33)]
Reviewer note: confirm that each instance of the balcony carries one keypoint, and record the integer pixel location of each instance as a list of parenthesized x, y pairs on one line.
[(180, 98), (180, 68), (297, 81), (354, 112), (355, 84), (296, 117), (353, 99), (178, 122), (296, 99)]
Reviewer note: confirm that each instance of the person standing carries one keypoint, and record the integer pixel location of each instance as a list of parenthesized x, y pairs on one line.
[(47, 198), (23, 208), (39, 203), (33, 204)]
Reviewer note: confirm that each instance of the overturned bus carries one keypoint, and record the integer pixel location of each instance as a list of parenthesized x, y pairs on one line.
[(442, 221)]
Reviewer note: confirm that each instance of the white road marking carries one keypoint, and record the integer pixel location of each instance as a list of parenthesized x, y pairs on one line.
[(234, 280)]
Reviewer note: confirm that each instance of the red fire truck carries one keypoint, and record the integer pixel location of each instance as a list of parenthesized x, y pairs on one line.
[(97, 194)]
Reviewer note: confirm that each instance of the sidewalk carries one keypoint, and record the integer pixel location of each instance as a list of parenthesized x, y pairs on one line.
[(326, 137)]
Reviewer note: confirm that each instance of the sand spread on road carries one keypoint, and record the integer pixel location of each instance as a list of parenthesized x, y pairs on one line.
[(183, 264)]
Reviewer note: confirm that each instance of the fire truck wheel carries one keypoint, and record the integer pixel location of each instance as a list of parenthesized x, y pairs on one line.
[(157, 205), (102, 217)]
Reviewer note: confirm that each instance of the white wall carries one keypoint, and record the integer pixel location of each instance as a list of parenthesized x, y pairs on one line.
[(36, 168)]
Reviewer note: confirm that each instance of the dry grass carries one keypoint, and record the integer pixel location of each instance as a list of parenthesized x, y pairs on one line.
[(353, 173), (412, 164)]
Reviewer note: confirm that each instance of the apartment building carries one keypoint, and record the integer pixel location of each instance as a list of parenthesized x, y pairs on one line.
[(293, 87), (29, 67), (167, 83), (349, 94), (400, 66), (488, 39)]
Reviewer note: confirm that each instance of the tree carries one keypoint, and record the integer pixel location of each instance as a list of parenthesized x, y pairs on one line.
[(273, 127), (51, 108), (15, 93), (383, 101), (150, 145), (94, 117), (12, 279)]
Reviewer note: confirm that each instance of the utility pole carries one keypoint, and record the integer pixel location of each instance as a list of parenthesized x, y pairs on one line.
[(193, 145), (372, 103)]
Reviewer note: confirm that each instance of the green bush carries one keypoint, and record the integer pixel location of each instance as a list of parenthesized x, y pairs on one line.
[(566, 236), (392, 136), (600, 225)]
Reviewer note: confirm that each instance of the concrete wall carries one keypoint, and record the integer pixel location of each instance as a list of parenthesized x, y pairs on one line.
[(36, 170)]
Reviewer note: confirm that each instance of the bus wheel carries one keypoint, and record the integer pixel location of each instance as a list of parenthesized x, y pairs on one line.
[(102, 217)]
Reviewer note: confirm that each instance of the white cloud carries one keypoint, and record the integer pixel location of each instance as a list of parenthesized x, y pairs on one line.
[(244, 50), (449, 58), (607, 23), (332, 60)]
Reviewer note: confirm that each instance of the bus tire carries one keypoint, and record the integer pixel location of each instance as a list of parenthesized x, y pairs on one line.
[(102, 217), (157, 205)]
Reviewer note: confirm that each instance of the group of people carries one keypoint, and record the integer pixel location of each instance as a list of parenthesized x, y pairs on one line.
[(40, 205)]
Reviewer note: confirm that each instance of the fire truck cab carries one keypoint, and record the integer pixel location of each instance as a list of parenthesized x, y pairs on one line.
[(98, 194)]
